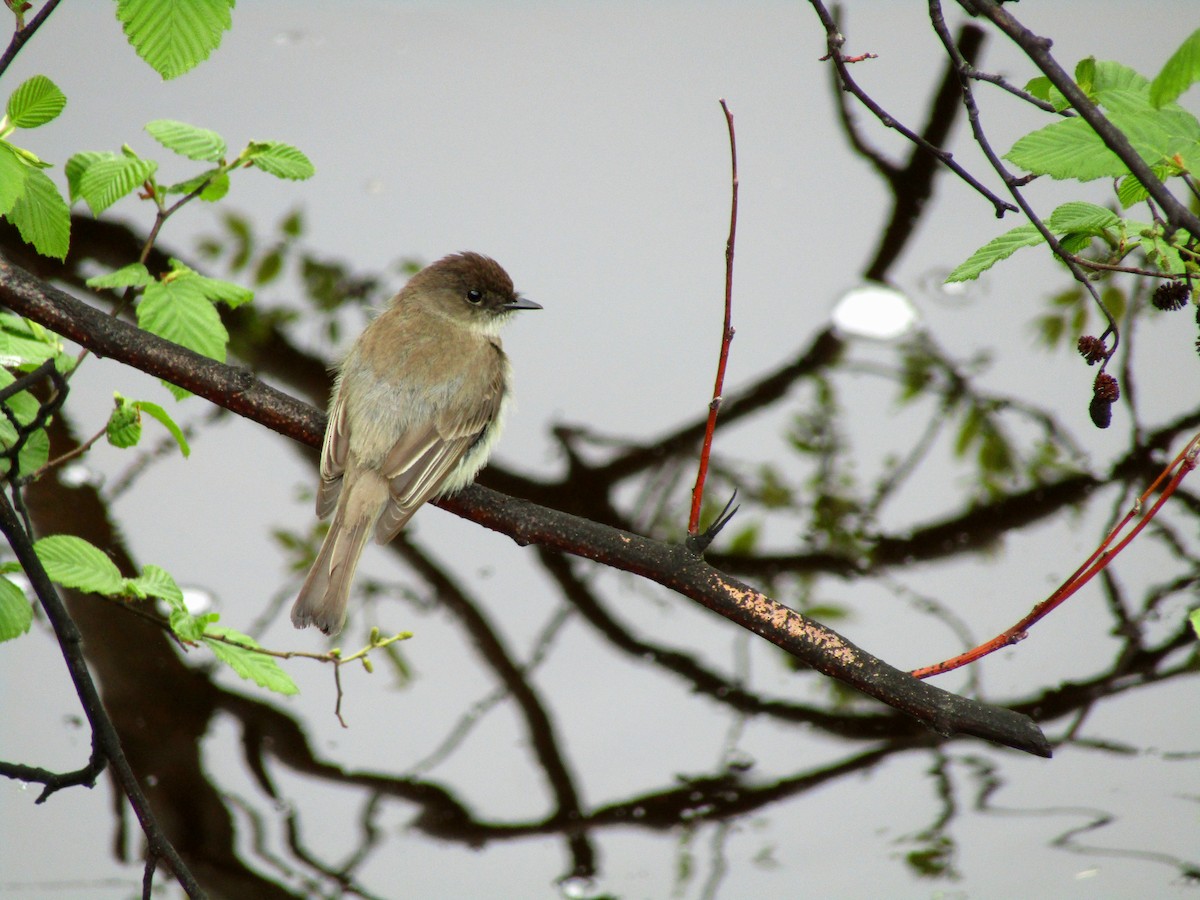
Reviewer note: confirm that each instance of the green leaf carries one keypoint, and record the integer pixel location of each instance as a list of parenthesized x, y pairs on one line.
[(25, 343), (157, 582), (77, 165), (993, 251), (1179, 73), (1156, 134), (16, 615), (187, 140), (110, 177), (293, 224), (74, 563), (12, 177), (1108, 75), (268, 267), (240, 656), (280, 160), (132, 275), (178, 311), (1076, 242), (174, 36), (214, 184), (42, 216), (1041, 88), (175, 390), (188, 627), (124, 427), (1085, 75), (1080, 216), (1066, 149), (1194, 618), (157, 412), (35, 102), (215, 289), (24, 407)]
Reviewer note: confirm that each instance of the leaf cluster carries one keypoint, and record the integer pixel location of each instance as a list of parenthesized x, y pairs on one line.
[(1164, 134), (79, 565)]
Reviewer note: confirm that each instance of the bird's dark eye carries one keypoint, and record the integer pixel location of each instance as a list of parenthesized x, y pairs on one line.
[(474, 296)]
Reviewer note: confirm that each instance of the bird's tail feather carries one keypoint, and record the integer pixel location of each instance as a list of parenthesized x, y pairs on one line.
[(322, 599)]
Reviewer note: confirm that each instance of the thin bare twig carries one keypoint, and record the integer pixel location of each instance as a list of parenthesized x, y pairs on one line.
[(834, 41), (22, 35), (726, 334)]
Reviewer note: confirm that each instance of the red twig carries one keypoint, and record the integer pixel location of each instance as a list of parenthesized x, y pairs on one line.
[(726, 336), (1184, 463)]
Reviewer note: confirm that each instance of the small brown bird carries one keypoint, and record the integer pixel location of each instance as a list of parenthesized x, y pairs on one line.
[(417, 405)]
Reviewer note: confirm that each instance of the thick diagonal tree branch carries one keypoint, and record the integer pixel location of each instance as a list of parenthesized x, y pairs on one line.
[(672, 566)]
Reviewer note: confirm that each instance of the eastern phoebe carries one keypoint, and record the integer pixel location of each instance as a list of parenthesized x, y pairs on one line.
[(417, 405)]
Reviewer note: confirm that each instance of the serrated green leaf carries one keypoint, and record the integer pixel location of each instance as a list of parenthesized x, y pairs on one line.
[(1179, 73), (24, 407), (29, 158), (1077, 242), (157, 412), (1085, 74), (215, 185), (132, 275), (1066, 149), (178, 311), (215, 289), (1108, 75), (12, 177), (188, 627), (35, 102), (1079, 216), (1039, 87), (74, 563), (1130, 191), (187, 140), (124, 428), (42, 216), (993, 251), (279, 159), (175, 390), (174, 36), (111, 177), (240, 656), (157, 582), (1156, 134), (16, 615), (132, 588), (77, 165), (24, 343)]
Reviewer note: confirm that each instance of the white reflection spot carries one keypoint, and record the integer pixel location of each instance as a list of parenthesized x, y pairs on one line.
[(874, 311)]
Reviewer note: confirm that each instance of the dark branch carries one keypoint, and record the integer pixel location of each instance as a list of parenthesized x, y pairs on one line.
[(104, 735), (672, 566)]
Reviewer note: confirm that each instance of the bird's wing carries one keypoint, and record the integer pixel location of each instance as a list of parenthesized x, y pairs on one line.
[(424, 458), (333, 458)]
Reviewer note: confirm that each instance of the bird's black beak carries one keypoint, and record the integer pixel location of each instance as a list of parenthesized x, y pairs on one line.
[(521, 303)]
